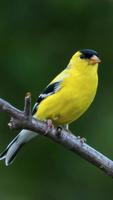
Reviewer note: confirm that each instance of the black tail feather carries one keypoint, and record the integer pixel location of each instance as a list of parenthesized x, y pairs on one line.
[(12, 149), (4, 153)]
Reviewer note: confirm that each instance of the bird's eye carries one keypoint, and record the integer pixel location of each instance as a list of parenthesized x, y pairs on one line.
[(82, 56)]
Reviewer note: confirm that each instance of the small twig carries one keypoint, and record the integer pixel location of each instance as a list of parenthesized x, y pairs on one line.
[(66, 138), (27, 105)]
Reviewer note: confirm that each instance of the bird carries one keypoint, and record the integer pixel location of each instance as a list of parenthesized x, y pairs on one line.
[(64, 100)]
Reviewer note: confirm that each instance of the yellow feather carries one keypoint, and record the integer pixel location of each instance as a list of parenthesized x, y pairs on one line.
[(79, 83)]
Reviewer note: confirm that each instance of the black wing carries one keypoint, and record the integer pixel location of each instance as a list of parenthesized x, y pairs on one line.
[(49, 90)]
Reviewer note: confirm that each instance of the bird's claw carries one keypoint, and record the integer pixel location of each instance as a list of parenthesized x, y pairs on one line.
[(50, 126)]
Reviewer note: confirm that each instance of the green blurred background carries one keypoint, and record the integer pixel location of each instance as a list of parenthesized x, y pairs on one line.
[(37, 39)]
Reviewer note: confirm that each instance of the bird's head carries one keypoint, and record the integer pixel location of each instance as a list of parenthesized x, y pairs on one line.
[(85, 59)]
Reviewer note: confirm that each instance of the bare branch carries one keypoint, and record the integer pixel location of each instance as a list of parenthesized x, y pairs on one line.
[(63, 137)]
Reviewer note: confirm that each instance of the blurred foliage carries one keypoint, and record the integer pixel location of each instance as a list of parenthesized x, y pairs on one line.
[(37, 39)]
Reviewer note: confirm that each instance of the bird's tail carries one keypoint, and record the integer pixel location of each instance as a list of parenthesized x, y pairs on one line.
[(12, 149)]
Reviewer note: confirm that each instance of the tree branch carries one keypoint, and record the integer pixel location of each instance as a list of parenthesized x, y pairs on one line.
[(23, 119)]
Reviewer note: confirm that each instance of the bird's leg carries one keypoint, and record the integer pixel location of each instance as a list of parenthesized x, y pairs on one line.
[(66, 127), (50, 126)]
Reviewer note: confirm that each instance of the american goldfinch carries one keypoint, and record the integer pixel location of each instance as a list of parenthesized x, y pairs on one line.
[(64, 100)]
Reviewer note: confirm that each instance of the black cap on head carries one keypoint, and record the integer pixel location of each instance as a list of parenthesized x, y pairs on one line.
[(88, 53)]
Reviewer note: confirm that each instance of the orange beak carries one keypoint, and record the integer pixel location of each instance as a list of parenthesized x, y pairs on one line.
[(94, 59)]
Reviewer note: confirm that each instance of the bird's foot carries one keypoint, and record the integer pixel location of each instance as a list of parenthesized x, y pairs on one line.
[(82, 140), (50, 126)]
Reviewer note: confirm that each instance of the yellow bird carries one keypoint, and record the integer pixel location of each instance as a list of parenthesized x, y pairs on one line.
[(64, 100)]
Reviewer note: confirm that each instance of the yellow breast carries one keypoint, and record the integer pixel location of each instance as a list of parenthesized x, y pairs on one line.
[(72, 100)]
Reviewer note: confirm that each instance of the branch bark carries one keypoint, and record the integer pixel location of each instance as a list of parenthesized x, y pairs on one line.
[(23, 119)]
